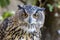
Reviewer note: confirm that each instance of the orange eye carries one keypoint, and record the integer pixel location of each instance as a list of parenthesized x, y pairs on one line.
[(24, 15), (36, 15)]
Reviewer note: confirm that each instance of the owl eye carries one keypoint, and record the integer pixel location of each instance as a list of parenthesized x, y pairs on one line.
[(24, 15), (36, 15)]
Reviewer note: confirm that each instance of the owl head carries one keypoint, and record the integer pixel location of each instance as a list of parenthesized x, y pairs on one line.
[(31, 14)]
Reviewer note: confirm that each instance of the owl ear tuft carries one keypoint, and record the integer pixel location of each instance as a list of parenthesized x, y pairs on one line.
[(42, 9), (20, 7)]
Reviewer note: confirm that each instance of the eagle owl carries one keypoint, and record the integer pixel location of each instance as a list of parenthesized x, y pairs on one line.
[(24, 25)]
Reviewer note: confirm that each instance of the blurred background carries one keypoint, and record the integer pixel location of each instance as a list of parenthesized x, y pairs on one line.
[(51, 29)]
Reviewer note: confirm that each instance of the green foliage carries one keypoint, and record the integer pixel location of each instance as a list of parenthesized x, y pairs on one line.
[(50, 7), (56, 4), (4, 3), (6, 15)]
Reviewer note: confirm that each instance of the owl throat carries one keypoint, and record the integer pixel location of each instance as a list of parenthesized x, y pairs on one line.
[(30, 28)]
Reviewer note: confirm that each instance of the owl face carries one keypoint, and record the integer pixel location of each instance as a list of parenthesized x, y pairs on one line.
[(31, 15)]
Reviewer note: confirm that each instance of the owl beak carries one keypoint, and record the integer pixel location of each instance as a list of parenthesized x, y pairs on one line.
[(30, 20)]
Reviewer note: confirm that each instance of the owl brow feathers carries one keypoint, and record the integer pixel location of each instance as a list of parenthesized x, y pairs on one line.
[(30, 9), (19, 7)]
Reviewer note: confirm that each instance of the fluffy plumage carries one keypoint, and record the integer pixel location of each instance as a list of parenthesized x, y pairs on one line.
[(24, 25)]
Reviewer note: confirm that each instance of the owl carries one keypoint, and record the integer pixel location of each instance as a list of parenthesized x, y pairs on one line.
[(25, 24)]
